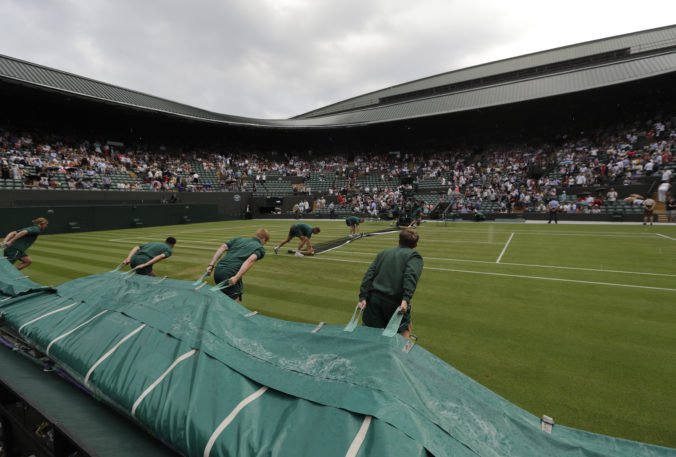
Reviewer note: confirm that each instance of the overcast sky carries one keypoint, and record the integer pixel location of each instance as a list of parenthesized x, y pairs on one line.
[(280, 58)]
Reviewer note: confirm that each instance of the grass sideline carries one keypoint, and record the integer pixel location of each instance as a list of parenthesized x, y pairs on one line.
[(574, 321)]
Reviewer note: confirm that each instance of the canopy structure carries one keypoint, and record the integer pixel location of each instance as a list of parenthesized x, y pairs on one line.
[(211, 378), (571, 69)]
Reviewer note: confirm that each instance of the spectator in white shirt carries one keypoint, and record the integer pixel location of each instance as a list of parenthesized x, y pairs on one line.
[(663, 191)]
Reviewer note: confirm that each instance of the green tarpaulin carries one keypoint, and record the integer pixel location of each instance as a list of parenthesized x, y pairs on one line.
[(207, 376)]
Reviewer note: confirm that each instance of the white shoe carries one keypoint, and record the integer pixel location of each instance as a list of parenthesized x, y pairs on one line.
[(276, 250), (299, 254)]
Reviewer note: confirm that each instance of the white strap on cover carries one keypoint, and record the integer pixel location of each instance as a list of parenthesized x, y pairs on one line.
[(47, 315), (359, 438), (110, 352), (60, 337), (152, 386), (233, 414)]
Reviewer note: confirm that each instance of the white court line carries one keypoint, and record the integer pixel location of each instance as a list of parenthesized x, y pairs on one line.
[(664, 236), (543, 278), (505, 248), (60, 337), (359, 438), (110, 352), (152, 386), (230, 418), (47, 315), (553, 233), (556, 267)]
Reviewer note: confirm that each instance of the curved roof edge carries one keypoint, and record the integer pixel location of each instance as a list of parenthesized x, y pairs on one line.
[(626, 58), (632, 43)]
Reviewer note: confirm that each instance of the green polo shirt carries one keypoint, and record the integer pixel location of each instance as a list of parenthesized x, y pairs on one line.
[(352, 220), (394, 274), (239, 249), (26, 241), (301, 230), (151, 250)]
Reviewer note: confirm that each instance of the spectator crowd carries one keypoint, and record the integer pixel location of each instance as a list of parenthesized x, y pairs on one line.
[(498, 178)]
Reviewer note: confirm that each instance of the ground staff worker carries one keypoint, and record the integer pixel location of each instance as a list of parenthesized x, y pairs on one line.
[(304, 232), (353, 222), (242, 254), (16, 243), (145, 256), (390, 282), (648, 208)]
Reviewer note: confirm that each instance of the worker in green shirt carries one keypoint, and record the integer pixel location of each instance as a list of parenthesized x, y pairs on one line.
[(390, 282), (353, 222), (143, 257), (16, 243), (303, 232), (241, 255), (416, 216)]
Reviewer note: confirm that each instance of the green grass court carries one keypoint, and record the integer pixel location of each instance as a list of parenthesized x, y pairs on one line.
[(575, 321)]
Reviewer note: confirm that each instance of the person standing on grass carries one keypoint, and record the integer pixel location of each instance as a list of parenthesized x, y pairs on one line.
[(242, 253), (353, 222), (553, 206), (16, 243), (143, 257), (303, 232), (390, 282), (648, 208)]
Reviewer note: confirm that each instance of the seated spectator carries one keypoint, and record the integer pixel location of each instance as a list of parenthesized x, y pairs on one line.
[(635, 200)]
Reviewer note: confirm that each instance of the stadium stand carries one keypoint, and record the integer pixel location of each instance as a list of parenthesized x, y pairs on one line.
[(500, 180)]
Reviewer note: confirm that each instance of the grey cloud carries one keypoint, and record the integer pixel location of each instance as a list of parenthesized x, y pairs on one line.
[(279, 58)]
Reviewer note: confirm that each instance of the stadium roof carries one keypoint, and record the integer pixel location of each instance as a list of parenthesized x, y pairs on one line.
[(570, 69)]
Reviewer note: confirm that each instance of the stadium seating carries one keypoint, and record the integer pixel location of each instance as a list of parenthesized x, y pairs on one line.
[(500, 179)]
